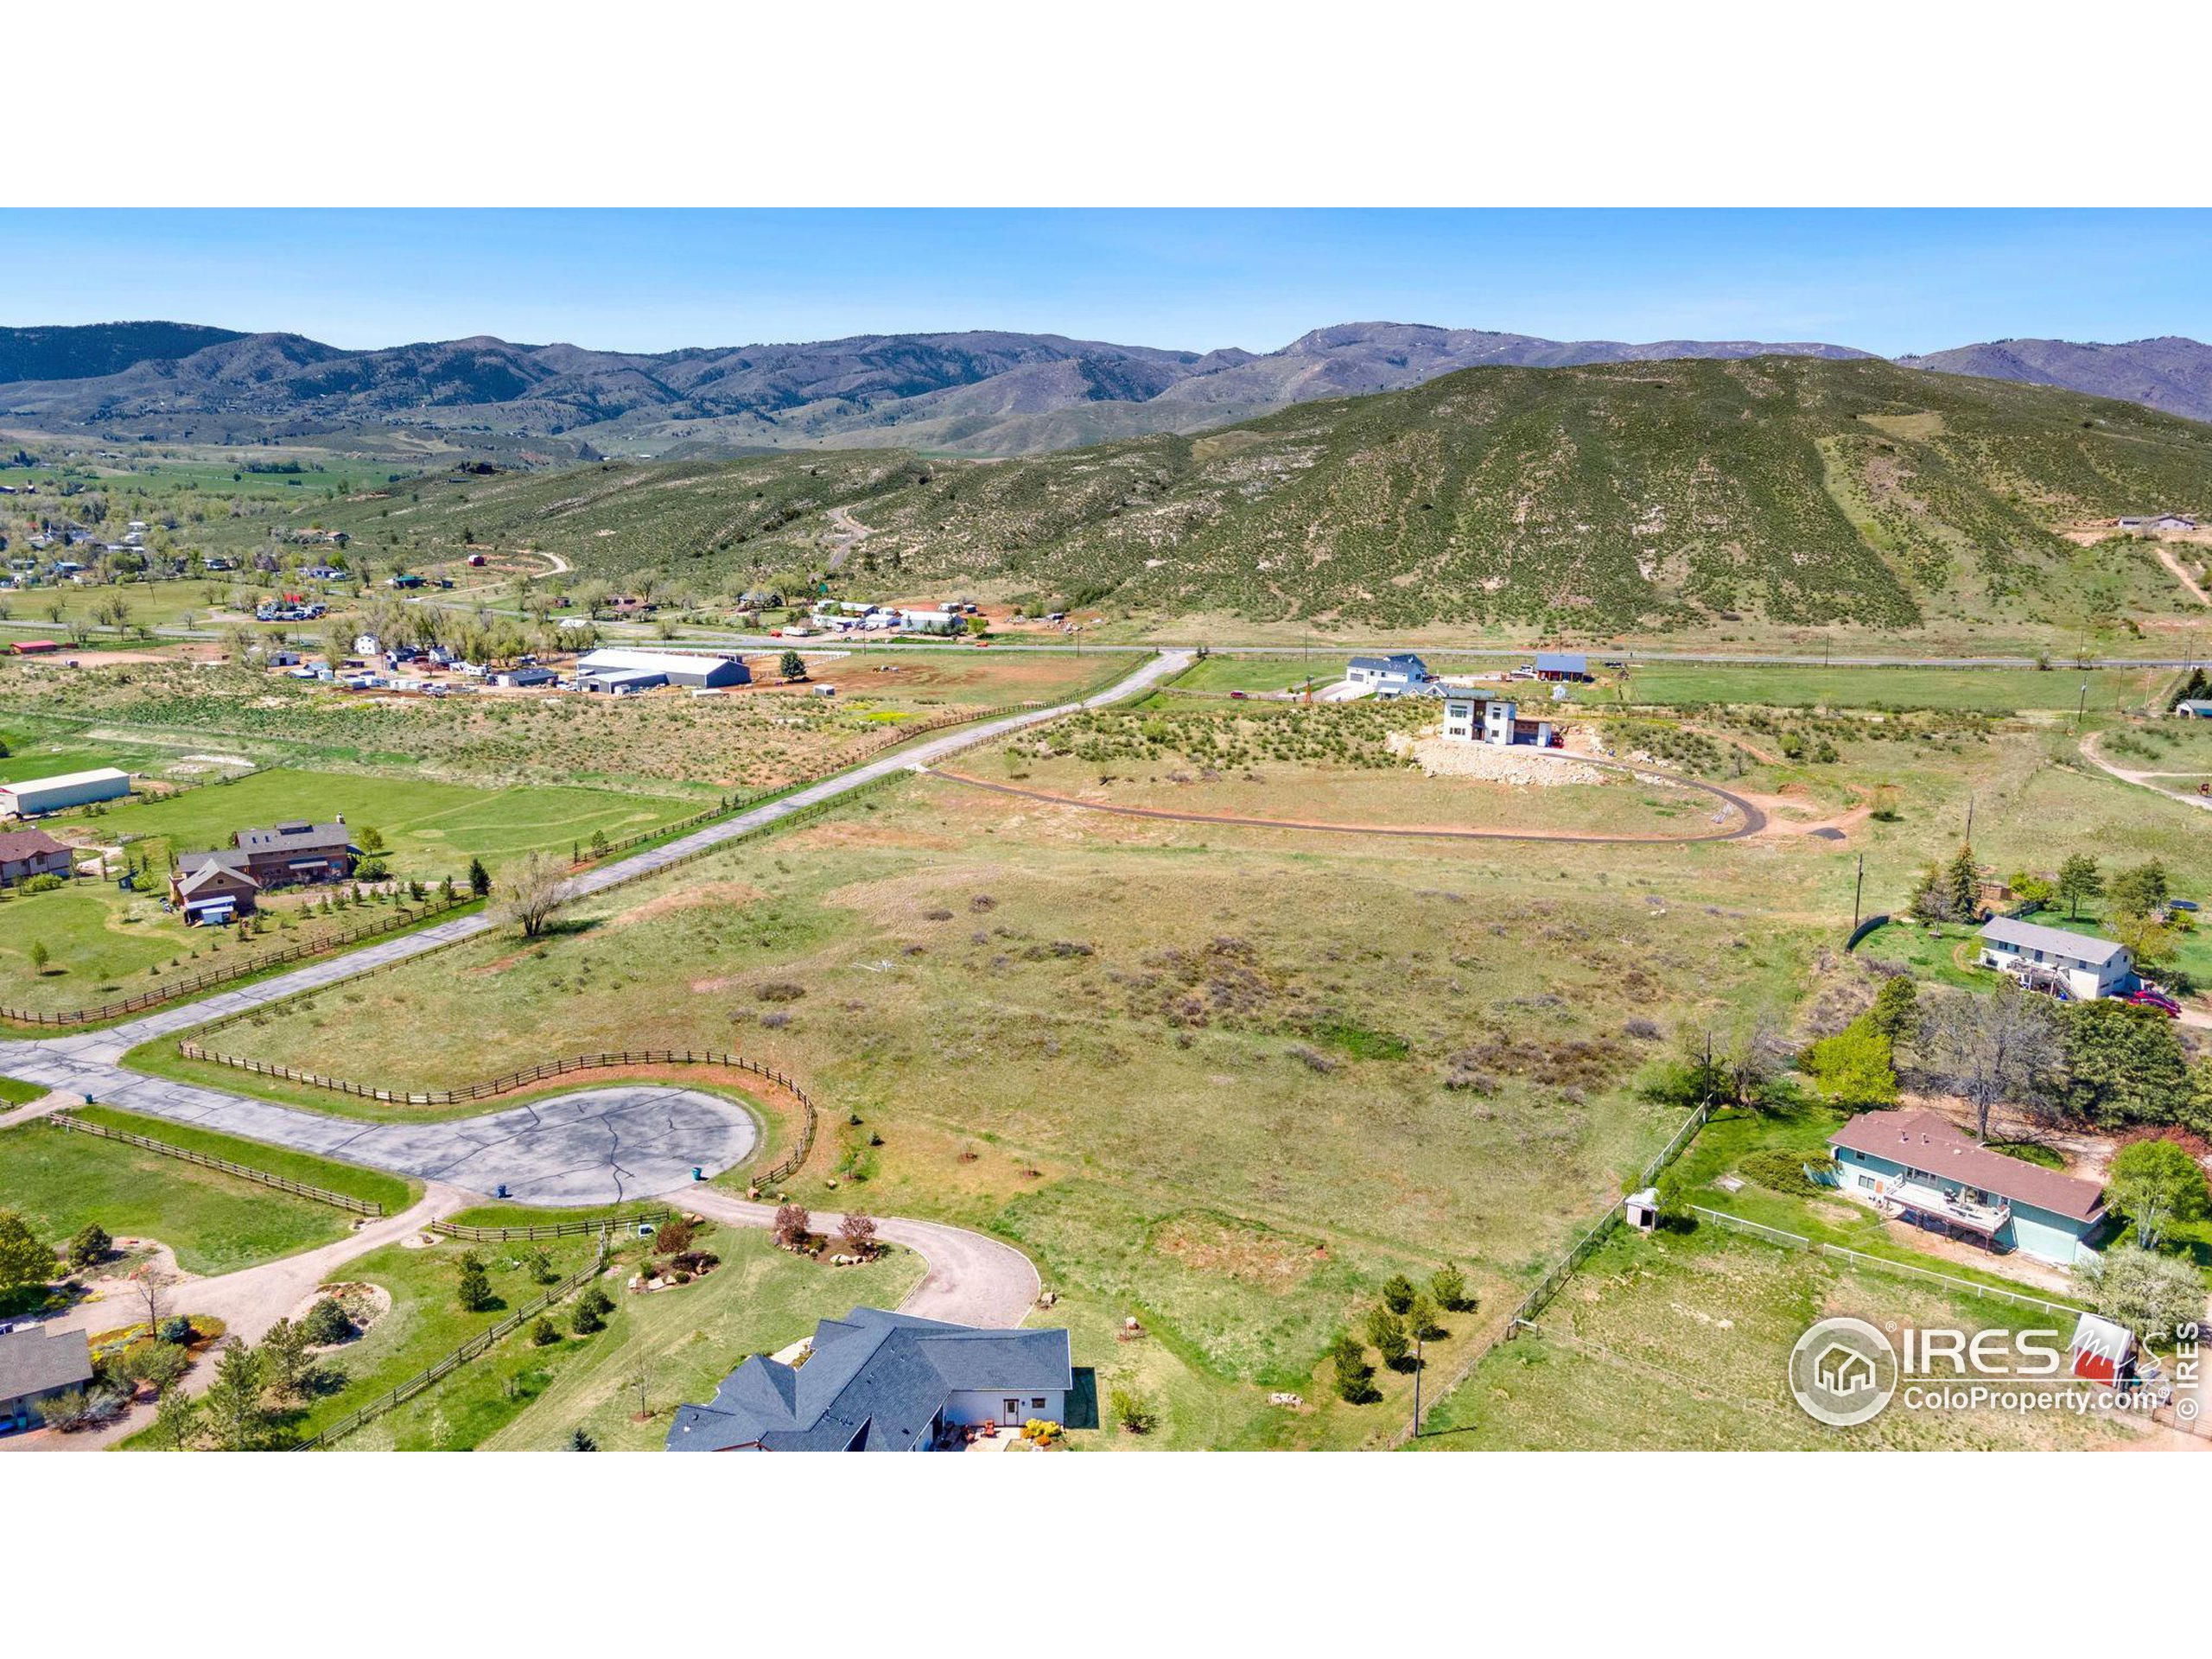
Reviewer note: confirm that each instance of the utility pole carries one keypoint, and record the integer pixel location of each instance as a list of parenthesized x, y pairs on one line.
[(1417, 1371), (1857, 892), (2081, 707), (1969, 820)]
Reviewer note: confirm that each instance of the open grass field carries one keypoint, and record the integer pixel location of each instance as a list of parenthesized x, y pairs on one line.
[(1617, 804), (937, 680), (1680, 1343), (431, 828), (1988, 690), (60, 1180), (1300, 1067), (668, 745)]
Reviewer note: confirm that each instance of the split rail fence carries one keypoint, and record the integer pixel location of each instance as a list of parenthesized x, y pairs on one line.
[(170, 990), (319, 1194), (473, 1348)]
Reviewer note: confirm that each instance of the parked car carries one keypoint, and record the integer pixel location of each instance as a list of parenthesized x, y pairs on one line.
[(2147, 998), (1240, 696)]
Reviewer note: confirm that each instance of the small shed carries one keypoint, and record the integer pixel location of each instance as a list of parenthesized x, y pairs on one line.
[(2103, 1351), (1641, 1209)]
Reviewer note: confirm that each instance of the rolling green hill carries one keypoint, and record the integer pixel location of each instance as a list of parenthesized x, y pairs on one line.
[(1638, 495)]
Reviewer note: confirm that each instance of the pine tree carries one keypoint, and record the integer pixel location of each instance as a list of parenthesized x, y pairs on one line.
[(1962, 884)]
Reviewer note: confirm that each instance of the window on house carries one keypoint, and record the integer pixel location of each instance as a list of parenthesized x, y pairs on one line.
[(1038, 1403)]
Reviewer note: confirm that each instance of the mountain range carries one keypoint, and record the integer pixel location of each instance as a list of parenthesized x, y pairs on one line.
[(1660, 495), (979, 393)]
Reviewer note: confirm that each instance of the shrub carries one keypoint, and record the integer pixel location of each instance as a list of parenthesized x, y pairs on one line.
[(1132, 1411), (90, 1246), (674, 1236), (178, 1330), (588, 1320), (1780, 1170), (327, 1323), (543, 1335)]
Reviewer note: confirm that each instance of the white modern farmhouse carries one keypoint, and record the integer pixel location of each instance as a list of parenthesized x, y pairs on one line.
[(1474, 717)]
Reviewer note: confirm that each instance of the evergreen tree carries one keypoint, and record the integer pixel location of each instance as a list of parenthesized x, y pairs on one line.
[(473, 1289), (1962, 884)]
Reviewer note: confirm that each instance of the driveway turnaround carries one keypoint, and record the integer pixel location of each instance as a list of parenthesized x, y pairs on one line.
[(590, 1147), (594, 1146)]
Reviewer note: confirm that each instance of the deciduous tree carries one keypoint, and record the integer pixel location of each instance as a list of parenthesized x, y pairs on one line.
[(536, 891), (1991, 1049), (2151, 1295), (23, 1259), (2079, 882), (2155, 1183)]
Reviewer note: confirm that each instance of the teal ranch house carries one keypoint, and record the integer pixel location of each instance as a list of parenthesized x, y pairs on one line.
[(1922, 1169)]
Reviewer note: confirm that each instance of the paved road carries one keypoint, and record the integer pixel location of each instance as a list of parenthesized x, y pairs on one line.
[(972, 1280), (587, 1148)]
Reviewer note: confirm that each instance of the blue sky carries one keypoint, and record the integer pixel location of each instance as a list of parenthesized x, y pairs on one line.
[(649, 280)]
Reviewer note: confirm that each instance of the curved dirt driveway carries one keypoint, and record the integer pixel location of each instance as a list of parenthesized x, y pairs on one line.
[(2141, 780), (1754, 820)]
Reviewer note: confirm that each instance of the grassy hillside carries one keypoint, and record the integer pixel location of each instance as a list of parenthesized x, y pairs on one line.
[(1644, 496)]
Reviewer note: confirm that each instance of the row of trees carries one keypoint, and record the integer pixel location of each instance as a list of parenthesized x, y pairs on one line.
[(2135, 898), (1404, 1313)]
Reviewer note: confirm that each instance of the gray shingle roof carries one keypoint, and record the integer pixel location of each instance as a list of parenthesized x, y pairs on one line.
[(2052, 941), (874, 1382), (1563, 662), (1398, 662), (32, 1361)]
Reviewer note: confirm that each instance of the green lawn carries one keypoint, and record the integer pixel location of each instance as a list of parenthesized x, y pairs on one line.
[(103, 944), (40, 761), (60, 1180), (426, 1322), (1246, 673), (14, 1092), (527, 1398), (1680, 1342), (394, 1192), (1993, 691), (431, 828)]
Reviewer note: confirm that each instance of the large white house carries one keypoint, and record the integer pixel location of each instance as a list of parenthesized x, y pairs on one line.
[(2050, 958), (1388, 676), (1476, 717)]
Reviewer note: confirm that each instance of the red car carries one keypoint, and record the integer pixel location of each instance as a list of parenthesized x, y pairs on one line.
[(2147, 998)]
